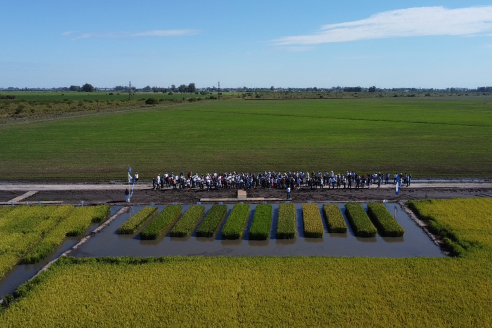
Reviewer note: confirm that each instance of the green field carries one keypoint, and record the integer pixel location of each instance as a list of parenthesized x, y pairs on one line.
[(274, 291), (438, 137)]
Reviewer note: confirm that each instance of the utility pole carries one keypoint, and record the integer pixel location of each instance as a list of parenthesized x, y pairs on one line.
[(130, 90), (218, 93)]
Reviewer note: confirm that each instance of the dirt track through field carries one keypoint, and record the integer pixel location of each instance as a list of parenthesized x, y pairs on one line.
[(113, 194), (72, 187)]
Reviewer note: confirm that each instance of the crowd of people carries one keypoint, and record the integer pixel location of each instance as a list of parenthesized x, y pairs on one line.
[(292, 180)]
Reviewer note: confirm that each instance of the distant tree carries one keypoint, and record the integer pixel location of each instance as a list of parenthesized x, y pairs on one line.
[(74, 88), (272, 88), (87, 88), (191, 88), (147, 88), (173, 88), (372, 89), (182, 88)]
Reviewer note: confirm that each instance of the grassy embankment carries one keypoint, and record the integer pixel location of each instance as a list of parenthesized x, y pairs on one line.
[(427, 137), (272, 291)]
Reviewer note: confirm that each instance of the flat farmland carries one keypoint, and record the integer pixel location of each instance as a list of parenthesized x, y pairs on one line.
[(438, 137)]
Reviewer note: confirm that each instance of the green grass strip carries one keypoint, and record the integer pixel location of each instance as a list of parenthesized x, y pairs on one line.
[(384, 221), (313, 226), (262, 222), (286, 225), (161, 222), (75, 224), (236, 222), (212, 221), (188, 222), (136, 221), (334, 219), (360, 222)]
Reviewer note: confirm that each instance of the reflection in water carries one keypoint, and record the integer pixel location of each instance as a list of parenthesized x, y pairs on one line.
[(338, 235), (313, 240), (367, 239), (258, 243), (205, 239), (393, 239), (180, 239), (286, 241), (231, 242)]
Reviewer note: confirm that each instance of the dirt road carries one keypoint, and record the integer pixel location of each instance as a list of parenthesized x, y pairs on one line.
[(143, 194)]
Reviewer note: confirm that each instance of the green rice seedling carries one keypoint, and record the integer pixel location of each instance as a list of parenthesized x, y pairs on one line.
[(313, 226), (74, 225), (334, 219), (360, 222), (188, 222), (161, 222), (384, 221), (236, 222), (286, 225), (212, 221), (262, 222), (136, 221)]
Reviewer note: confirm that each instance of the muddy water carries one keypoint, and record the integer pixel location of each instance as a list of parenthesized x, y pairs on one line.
[(414, 243), (21, 273)]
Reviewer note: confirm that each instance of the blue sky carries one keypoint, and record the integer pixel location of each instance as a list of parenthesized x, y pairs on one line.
[(253, 43)]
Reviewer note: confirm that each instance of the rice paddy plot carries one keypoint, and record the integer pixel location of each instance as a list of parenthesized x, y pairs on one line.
[(20, 273), (414, 243)]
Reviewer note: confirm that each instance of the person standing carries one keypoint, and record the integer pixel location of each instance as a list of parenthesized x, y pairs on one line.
[(288, 192), (127, 195), (136, 177)]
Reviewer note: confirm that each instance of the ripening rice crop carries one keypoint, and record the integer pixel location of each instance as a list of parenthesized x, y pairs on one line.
[(188, 222), (313, 226), (24, 226), (136, 221), (384, 221), (236, 222), (360, 222), (212, 221), (262, 222), (463, 224), (161, 222), (75, 224), (286, 225), (256, 292), (334, 219)]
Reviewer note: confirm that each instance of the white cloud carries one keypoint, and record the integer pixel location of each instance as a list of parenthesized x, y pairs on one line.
[(401, 23), (155, 33)]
